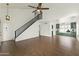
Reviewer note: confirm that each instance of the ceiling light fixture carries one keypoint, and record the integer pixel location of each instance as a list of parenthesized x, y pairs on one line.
[(38, 10), (7, 16)]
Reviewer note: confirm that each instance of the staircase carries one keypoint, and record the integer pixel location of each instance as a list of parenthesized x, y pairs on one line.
[(26, 25)]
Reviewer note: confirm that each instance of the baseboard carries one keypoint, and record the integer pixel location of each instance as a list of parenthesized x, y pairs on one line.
[(26, 38)]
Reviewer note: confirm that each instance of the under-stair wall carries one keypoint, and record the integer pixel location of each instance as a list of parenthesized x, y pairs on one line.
[(31, 32), (29, 29), (26, 25)]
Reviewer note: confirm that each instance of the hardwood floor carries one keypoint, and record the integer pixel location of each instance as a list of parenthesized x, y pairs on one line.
[(44, 46)]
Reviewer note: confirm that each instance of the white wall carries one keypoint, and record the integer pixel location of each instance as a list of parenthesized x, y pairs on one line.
[(45, 28), (77, 28), (1, 31)]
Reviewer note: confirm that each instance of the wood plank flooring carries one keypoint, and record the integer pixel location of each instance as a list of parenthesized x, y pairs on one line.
[(43, 46)]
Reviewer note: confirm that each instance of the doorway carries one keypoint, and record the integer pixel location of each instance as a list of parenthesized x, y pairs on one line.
[(66, 29)]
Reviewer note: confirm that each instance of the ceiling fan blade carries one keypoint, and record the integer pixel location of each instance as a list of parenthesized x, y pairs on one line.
[(39, 5), (31, 6), (34, 11), (44, 8)]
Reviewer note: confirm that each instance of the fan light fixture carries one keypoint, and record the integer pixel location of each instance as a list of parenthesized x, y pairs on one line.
[(38, 10), (7, 16)]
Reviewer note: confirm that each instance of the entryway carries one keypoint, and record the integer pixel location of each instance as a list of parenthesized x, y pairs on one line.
[(66, 29)]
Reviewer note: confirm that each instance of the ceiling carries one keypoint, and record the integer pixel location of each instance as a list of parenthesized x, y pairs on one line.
[(61, 10), (50, 5), (56, 11)]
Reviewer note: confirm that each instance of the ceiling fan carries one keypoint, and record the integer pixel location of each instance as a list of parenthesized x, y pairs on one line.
[(38, 8)]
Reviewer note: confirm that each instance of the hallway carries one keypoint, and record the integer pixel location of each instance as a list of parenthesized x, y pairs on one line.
[(43, 46)]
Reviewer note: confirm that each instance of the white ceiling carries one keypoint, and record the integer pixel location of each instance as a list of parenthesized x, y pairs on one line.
[(50, 5), (18, 5), (60, 10)]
